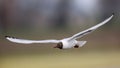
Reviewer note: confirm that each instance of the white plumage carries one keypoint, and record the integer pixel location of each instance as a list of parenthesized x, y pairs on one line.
[(66, 42)]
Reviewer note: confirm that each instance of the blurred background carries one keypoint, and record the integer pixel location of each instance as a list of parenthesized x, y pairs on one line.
[(49, 19)]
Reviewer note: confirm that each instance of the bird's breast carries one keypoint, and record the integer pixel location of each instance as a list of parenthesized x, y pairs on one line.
[(68, 44)]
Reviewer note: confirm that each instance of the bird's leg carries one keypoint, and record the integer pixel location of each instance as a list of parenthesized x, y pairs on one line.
[(76, 46)]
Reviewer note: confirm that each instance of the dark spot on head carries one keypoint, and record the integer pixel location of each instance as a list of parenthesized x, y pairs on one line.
[(59, 45)]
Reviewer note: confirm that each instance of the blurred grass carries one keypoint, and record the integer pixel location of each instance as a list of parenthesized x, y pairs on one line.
[(63, 59), (101, 51)]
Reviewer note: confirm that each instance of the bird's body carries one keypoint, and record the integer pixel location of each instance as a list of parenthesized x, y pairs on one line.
[(72, 43), (68, 43), (65, 43)]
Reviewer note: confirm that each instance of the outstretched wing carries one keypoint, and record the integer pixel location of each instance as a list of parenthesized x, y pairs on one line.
[(23, 41), (87, 31)]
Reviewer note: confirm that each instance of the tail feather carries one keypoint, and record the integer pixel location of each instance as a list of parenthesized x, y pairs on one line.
[(81, 43)]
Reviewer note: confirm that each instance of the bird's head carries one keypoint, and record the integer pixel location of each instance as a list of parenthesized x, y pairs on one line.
[(59, 45)]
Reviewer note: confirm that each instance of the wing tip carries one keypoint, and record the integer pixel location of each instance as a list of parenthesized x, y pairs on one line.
[(9, 37), (113, 13)]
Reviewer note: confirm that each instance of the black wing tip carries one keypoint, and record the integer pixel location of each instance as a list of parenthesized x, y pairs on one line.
[(9, 37), (113, 13)]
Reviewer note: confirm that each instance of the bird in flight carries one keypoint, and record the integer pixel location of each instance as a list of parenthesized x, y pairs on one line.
[(65, 43)]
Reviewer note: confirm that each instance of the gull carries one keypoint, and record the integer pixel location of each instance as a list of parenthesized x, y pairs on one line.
[(65, 43)]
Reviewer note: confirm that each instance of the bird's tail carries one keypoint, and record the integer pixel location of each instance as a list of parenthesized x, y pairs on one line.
[(81, 43)]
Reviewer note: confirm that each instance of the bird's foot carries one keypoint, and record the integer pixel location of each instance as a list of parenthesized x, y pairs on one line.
[(76, 46)]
